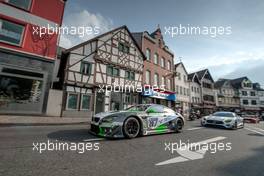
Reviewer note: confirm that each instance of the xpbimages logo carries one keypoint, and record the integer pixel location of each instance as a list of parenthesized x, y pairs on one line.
[(212, 31), (80, 147), (81, 31), (187, 146)]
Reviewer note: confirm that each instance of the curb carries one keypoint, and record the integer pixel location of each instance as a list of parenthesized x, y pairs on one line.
[(41, 124)]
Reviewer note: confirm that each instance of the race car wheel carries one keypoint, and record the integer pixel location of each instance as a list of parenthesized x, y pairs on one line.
[(179, 125), (131, 127)]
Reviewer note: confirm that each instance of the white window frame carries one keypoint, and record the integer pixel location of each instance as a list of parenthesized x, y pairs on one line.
[(67, 103), (22, 34), (82, 102)]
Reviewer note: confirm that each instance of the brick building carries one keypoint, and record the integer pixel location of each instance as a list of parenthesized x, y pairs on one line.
[(158, 68)]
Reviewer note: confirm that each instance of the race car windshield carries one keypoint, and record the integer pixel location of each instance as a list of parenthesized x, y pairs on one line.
[(223, 114), (138, 108)]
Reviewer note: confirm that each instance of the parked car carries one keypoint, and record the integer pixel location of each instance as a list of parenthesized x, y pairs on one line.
[(223, 119), (251, 118), (144, 119)]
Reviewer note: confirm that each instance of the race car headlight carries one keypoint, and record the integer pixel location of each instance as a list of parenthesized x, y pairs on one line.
[(109, 119), (228, 120)]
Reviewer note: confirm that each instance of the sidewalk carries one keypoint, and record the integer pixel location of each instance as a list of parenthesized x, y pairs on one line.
[(11, 120)]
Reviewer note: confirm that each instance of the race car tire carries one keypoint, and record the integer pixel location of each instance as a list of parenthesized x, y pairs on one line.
[(131, 127), (179, 125)]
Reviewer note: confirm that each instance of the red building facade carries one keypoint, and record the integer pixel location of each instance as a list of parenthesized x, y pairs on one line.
[(158, 68), (27, 53)]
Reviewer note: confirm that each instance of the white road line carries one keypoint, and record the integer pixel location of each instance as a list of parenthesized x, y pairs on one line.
[(196, 128), (96, 139), (187, 155), (255, 131), (255, 128)]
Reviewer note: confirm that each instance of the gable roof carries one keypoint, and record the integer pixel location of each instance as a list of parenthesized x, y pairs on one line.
[(192, 76), (106, 33), (256, 86), (201, 74), (237, 82), (180, 63), (220, 82)]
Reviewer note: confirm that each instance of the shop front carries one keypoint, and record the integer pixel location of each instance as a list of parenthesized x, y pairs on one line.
[(24, 84), (158, 96)]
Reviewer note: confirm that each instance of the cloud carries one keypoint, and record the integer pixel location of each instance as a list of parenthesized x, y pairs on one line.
[(254, 71), (96, 24), (234, 65)]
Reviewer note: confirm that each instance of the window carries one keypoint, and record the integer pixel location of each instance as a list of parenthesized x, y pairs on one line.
[(184, 91), (192, 88), (169, 84), (85, 103), (72, 102), (123, 47), (247, 84), (162, 62), (148, 78), (155, 109), (156, 58), (86, 68), (244, 93), (253, 102), (130, 75), (179, 76), (112, 71), (245, 102), (184, 78), (24, 4), (208, 98), (177, 89), (11, 32), (252, 94), (148, 54), (156, 79), (169, 65), (162, 80), (180, 90), (207, 85), (168, 110)]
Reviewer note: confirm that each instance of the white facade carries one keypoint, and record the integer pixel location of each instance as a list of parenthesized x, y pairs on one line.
[(248, 96), (182, 88), (103, 74)]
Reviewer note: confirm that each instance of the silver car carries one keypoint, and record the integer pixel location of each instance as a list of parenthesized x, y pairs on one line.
[(223, 119)]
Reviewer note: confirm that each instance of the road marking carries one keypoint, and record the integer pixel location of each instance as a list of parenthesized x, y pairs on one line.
[(187, 155), (95, 139), (196, 128), (255, 128), (255, 131)]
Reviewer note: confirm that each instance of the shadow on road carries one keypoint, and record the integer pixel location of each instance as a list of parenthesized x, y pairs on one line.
[(256, 134), (250, 166), (75, 135)]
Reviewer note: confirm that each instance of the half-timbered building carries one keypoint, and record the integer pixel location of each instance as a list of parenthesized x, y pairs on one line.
[(102, 74)]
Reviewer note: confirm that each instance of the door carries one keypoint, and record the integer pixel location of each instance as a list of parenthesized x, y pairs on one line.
[(100, 97)]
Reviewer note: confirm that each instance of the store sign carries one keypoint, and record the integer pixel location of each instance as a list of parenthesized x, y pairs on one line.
[(160, 95)]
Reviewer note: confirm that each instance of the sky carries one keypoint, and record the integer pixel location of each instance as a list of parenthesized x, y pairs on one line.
[(240, 53)]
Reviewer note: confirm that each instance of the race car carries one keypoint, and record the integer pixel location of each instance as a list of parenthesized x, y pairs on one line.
[(223, 119), (143, 119)]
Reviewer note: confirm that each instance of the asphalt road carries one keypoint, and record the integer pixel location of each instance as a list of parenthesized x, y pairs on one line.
[(137, 157)]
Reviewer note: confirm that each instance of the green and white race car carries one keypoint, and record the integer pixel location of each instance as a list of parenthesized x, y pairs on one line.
[(144, 119)]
